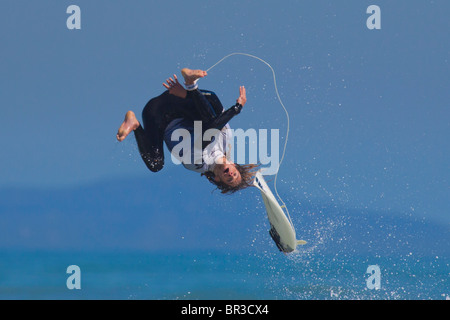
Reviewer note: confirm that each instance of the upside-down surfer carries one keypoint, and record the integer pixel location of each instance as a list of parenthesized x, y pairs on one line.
[(179, 108), (182, 108)]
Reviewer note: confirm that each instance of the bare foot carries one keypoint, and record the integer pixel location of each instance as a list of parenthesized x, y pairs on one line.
[(190, 76), (129, 124)]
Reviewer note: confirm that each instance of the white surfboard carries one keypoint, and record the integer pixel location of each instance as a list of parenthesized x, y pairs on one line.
[(281, 229)]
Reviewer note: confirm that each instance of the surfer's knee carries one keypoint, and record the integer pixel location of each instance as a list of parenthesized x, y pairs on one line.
[(155, 105), (150, 108), (153, 161), (154, 165)]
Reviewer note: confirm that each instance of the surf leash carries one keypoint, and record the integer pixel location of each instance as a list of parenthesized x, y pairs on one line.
[(284, 108)]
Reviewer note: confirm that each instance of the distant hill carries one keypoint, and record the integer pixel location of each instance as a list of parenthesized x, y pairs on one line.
[(130, 214)]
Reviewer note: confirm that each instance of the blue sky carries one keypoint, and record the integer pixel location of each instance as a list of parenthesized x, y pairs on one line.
[(369, 108)]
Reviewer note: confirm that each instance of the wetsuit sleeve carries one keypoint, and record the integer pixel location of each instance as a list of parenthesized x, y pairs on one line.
[(210, 110), (221, 120)]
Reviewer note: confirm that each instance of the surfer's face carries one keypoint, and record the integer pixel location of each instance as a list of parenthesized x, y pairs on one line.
[(228, 174)]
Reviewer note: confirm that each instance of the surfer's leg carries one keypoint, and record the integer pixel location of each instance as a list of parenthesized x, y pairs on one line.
[(206, 102), (151, 151), (191, 76), (203, 107), (156, 115), (148, 148), (201, 104), (206, 105)]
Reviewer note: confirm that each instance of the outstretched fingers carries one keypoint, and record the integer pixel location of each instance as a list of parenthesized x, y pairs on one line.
[(242, 96), (170, 83), (242, 91)]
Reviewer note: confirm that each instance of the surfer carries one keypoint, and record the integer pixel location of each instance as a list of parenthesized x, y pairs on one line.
[(179, 108)]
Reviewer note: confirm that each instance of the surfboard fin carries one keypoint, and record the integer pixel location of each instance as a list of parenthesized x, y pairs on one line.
[(301, 242)]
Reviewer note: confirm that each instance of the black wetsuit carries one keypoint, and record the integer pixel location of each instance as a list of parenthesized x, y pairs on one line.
[(199, 105)]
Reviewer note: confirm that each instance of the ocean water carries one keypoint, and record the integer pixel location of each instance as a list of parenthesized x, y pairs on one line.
[(220, 275)]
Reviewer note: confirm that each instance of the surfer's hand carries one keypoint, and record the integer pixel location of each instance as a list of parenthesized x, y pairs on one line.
[(175, 87), (242, 96)]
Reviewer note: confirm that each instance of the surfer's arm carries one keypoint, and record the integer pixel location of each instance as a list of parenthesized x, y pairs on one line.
[(221, 120)]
